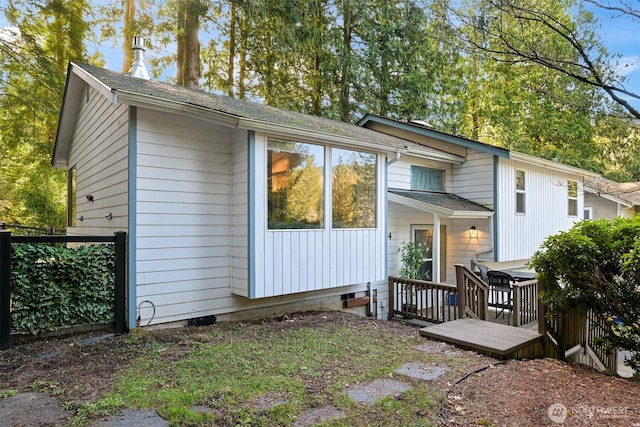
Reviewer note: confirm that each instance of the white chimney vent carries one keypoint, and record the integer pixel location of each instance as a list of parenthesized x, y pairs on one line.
[(137, 68)]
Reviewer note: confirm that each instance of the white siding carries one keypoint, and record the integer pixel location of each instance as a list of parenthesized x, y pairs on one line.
[(460, 248), (520, 235), (192, 233), (399, 172), (473, 179), (602, 208), (183, 216), (293, 261), (239, 214), (99, 154)]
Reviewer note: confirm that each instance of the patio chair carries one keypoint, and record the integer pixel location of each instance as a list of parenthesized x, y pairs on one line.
[(483, 272), (501, 290)]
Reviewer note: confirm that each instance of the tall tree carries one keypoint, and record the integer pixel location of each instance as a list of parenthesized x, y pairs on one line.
[(576, 52), (189, 13), (32, 71)]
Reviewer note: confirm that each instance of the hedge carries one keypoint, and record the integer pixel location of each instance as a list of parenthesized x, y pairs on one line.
[(55, 287)]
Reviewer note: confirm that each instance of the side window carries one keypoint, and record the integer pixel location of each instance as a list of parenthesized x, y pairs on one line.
[(353, 188), (295, 185), (520, 192), (71, 197), (427, 179), (572, 192)]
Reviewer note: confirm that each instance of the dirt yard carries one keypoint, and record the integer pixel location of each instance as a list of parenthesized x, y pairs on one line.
[(515, 393)]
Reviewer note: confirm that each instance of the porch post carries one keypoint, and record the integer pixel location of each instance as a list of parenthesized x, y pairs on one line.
[(435, 264)]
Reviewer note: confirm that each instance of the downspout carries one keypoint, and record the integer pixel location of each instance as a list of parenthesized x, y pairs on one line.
[(474, 260), (395, 159)]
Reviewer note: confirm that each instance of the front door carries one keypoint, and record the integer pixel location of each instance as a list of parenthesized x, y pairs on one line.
[(423, 235)]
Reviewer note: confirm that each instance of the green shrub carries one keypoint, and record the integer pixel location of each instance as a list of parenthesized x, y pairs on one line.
[(596, 265), (412, 256), (54, 287)]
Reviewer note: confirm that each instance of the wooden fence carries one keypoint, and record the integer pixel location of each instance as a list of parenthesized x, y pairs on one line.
[(6, 240)]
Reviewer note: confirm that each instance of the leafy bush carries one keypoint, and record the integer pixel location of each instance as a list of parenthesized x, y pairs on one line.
[(55, 287), (412, 256), (596, 265)]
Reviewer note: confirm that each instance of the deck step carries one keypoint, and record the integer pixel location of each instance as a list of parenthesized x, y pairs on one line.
[(493, 339)]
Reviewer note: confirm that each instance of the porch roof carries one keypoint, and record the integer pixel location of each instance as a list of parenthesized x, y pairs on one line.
[(444, 204)]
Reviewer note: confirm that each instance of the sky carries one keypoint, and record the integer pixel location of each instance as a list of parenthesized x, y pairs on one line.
[(619, 33)]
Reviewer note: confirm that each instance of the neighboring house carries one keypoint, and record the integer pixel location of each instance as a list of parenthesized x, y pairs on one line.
[(480, 202), (231, 207), (609, 199)]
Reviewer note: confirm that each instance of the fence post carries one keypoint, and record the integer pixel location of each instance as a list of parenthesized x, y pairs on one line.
[(121, 281), (5, 289), (392, 297)]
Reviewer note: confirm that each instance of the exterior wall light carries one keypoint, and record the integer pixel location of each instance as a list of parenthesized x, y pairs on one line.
[(473, 232)]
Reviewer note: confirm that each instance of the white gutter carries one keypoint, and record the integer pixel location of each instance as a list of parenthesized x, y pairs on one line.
[(549, 164)]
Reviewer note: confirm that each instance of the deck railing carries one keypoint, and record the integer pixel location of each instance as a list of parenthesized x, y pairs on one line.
[(525, 302), (426, 301), (474, 301)]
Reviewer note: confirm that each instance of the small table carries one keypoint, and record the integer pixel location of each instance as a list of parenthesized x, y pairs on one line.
[(521, 276)]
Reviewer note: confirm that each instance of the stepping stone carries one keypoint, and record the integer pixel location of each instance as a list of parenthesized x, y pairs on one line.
[(131, 418), (317, 416), (375, 390), (268, 401), (32, 409), (421, 371)]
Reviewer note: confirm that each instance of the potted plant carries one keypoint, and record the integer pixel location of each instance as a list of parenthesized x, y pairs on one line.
[(412, 255)]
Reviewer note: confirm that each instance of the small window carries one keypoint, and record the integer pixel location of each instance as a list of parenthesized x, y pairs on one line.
[(295, 185), (588, 213), (353, 188), (520, 192), (71, 197), (572, 192), (427, 179)]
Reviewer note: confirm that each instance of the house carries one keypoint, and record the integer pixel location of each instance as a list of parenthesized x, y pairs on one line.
[(232, 208), (235, 209), (510, 201), (608, 199)]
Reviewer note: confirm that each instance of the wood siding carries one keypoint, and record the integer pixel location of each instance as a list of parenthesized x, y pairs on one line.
[(520, 235), (602, 208), (473, 179), (293, 261), (399, 173), (192, 244), (184, 184), (240, 214), (99, 154)]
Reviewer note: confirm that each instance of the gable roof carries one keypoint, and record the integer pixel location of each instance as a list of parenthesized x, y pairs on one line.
[(231, 112), (422, 134), (430, 135), (624, 193)]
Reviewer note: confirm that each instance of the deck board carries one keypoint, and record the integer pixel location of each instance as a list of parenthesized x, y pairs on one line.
[(486, 337)]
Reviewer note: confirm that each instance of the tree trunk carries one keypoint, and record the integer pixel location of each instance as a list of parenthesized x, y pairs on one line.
[(127, 43)]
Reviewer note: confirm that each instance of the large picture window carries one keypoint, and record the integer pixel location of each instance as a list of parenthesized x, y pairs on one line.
[(353, 188), (295, 175)]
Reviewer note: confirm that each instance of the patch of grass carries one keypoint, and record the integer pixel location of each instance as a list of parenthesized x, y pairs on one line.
[(7, 393), (232, 374)]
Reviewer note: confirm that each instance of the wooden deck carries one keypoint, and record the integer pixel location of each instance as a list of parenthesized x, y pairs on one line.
[(494, 339)]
